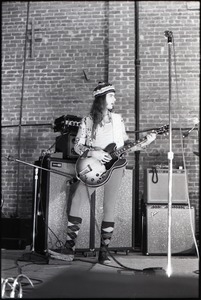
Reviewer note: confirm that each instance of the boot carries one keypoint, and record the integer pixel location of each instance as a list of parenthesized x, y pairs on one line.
[(106, 235)]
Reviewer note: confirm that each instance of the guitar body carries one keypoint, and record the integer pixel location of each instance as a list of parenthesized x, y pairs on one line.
[(94, 173)]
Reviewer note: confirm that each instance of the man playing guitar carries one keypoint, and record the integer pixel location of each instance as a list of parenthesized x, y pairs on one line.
[(100, 142)]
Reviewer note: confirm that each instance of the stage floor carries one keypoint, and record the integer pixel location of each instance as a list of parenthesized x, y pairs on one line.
[(137, 276)]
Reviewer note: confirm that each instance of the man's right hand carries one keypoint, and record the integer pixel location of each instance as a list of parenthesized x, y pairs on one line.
[(100, 155)]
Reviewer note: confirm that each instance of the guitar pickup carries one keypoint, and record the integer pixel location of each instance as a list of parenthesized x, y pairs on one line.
[(85, 170)]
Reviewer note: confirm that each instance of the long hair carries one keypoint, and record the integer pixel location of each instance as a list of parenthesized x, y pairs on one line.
[(96, 111)]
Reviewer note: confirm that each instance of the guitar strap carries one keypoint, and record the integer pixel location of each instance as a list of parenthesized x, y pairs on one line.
[(89, 133)]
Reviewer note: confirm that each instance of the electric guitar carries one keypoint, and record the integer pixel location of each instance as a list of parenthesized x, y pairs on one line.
[(94, 173)]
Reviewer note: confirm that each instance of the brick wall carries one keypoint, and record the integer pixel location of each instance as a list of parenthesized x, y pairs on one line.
[(69, 39), (96, 38)]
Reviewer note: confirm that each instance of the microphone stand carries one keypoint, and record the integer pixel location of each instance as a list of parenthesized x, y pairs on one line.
[(169, 35), (33, 256)]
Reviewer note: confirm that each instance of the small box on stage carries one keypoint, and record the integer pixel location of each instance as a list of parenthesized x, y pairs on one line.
[(156, 186), (155, 229)]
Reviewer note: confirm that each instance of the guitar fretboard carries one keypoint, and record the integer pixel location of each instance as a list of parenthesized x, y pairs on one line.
[(131, 145), (127, 147)]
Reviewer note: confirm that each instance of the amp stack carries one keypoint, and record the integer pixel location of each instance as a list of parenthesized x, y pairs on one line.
[(155, 214), (55, 187)]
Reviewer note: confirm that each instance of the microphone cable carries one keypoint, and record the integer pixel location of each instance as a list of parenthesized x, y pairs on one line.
[(188, 200)]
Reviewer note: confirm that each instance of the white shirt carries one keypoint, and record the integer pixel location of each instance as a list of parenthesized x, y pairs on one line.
[(104, 136)]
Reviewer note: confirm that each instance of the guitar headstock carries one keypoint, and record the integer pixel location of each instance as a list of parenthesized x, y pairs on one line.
[(163, 130)]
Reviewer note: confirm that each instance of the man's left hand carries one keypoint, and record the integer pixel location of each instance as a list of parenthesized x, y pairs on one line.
[(151, 137)]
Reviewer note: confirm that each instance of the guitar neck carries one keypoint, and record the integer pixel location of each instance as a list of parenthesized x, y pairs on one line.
[(128, 147), (131, 145)]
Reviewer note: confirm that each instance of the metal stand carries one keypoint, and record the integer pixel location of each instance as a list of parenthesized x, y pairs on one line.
[(35, 205), (33, 256), (168, 34)]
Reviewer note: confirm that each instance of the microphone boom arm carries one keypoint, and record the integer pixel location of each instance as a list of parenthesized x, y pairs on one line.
[(11, 158)]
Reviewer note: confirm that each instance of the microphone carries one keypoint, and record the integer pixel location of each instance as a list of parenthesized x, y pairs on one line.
[(195, 122), (186, 133)]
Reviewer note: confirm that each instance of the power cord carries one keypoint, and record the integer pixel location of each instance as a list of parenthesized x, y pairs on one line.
[(14, 285), (188, 200)]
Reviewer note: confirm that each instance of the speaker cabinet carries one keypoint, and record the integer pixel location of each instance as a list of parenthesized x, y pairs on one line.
[(54, 201), (156, 186), (155, 229), (65, 144), (123, 235), (56, 196)]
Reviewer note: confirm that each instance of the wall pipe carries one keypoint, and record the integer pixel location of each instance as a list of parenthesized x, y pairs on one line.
[(137, 113), (21, 109)]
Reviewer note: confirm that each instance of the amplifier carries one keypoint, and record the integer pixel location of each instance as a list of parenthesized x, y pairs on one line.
[(66, 123), (156, 186), (65, 144), (155, 229), (53, 205)]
